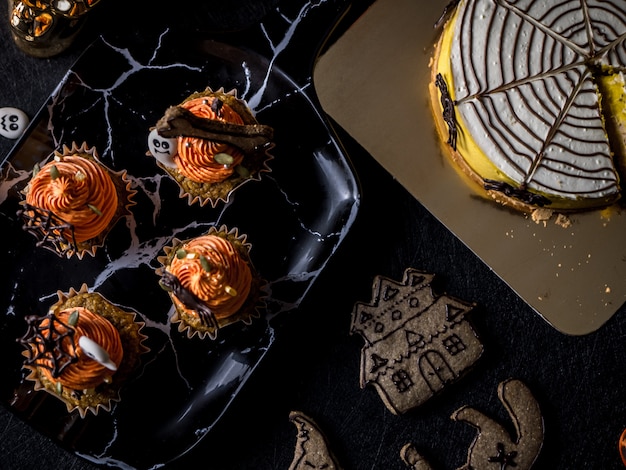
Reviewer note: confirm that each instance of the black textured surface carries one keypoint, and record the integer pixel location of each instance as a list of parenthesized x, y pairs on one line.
[(314, 364)]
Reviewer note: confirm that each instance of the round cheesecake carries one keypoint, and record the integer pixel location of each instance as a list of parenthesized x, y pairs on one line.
[(529, 97)]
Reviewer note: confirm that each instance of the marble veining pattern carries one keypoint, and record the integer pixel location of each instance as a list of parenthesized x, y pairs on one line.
[(304, 217)]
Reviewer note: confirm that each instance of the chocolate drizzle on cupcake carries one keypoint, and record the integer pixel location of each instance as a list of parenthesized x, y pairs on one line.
[(48, 339), (72, 201), (190, 301), (211, 282), (49, 229), (83, 350)]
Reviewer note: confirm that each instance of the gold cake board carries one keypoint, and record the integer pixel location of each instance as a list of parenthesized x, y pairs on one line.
[(374, 83)]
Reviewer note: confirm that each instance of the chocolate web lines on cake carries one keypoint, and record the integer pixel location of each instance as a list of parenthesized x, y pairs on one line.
[(535, 89)]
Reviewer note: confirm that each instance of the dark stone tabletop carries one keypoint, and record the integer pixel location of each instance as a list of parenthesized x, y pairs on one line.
[(313, 366)]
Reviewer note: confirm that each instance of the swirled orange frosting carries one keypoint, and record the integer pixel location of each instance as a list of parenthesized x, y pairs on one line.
[(213, 271), (77, 190), (85, 373), (196, 157)]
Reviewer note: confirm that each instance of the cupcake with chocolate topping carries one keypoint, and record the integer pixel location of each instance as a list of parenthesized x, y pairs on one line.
[(83, 350), (210, 145), (73, 201), (211, 282)]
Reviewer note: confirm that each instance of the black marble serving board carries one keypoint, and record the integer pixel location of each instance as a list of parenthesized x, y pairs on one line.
[(295, 217)]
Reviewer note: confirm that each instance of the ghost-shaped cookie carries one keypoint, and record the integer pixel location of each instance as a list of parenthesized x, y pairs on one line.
[(13, 122), (162, 148)]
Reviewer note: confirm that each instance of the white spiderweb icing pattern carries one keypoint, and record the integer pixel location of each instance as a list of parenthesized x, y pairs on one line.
[(524, 87)]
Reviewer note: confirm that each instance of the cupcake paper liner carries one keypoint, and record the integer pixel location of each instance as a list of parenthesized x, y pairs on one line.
[(256, 163), (106, 394), (63, 248), (189, 323)]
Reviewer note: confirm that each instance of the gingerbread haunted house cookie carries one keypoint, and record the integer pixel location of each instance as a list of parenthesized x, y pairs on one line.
[(416, 343)]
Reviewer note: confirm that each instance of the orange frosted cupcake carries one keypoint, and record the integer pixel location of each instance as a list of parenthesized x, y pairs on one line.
[(210, 145), (211, 282), (73, 201), (83, 350)]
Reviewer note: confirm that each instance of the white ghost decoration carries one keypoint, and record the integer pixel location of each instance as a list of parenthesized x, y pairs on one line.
[(162, 148), (96, 352), (13, 122)]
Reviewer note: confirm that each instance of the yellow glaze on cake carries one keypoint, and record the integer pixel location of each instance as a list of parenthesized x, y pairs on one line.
[(613, 89), (466, 146)]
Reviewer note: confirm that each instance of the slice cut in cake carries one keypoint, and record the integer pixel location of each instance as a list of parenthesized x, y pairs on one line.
[(530, 98)]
